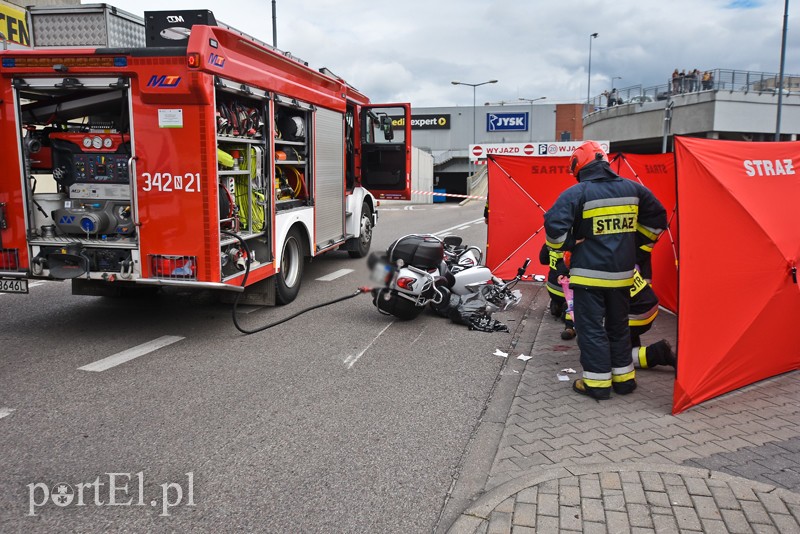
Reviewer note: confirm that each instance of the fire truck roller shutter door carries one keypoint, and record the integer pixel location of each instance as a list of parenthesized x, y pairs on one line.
[(328, 188)]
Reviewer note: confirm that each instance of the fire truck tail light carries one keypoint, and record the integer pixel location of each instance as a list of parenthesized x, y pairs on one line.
[(9, 259), (174, 267), (194, 59)]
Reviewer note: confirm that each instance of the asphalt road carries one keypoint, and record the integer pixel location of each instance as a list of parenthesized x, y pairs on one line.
[(341, 420)]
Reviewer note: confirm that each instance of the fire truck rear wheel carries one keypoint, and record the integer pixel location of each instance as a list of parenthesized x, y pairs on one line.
[(364, 241), (287, 284)]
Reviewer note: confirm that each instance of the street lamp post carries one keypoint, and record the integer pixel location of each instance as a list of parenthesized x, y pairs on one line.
[(530, 118), (474, 109), (780, 76), (274, 25), (612, 81), (589, 85)]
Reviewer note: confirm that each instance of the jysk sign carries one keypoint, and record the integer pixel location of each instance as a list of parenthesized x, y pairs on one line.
[(424, 122), (507, 122)]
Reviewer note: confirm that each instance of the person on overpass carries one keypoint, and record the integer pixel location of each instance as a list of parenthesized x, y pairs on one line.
[(597, 220)]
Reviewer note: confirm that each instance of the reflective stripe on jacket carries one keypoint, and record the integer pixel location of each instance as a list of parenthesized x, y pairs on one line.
[(554, 259), (644, 302)]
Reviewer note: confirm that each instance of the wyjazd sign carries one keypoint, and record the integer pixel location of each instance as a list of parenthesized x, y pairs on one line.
[(478, 153), (507, 122)]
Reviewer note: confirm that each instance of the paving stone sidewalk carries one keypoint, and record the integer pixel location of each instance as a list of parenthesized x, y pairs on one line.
[(568, 463)]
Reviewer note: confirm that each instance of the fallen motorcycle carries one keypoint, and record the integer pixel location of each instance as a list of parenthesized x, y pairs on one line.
[(420, 270)]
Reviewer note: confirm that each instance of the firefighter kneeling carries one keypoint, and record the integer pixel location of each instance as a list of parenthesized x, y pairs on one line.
[(558, 302), (644, 309), (597, 220)]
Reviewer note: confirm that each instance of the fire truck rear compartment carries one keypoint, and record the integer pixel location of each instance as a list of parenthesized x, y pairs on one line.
[(77, 151)]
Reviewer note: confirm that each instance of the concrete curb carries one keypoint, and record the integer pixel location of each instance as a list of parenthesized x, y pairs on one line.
[(482, 508), (482, 449)]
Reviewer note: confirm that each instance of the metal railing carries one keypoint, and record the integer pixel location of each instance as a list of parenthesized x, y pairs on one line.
[(446, 156), (718, 80)]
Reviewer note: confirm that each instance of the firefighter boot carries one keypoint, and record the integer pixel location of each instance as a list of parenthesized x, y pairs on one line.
[(660, 353), (624, 387), (598, 394), (555, 309)]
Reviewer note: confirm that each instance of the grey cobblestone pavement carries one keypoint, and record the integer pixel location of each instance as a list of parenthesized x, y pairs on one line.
[(564, 462)]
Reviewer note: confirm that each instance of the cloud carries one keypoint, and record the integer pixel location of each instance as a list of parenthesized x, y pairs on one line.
[(411, 50)]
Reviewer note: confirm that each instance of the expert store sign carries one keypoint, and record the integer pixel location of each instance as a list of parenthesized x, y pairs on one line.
[(478, 153), (424, 122)]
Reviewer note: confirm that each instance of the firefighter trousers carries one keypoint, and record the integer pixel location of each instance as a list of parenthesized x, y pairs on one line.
[(601, 318)]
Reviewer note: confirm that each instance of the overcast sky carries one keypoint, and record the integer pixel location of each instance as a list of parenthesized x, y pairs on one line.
[(410, 50)]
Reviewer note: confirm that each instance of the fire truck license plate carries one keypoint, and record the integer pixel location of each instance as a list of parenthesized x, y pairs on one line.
[(13, 286)]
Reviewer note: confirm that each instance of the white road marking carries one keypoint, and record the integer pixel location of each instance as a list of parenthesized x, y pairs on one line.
[(5, 411), (463, 228), (351, 360), (130, 354), (419, 336), (334, 275), (458, 226)]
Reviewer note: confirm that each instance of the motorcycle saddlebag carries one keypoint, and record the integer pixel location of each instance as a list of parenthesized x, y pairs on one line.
[(420, 251), (390, 302)]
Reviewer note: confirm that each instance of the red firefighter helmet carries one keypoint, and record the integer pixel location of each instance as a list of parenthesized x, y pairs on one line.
[(585, 154)]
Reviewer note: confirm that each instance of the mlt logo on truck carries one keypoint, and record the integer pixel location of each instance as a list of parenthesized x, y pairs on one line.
[(217, 61), (164, 81)]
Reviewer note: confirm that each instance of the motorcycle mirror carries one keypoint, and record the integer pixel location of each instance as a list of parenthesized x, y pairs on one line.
[(452, 241)]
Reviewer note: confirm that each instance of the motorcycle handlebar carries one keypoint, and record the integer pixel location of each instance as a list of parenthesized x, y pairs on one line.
[(521, 271)]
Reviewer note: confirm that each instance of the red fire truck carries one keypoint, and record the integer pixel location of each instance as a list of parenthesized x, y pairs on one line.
[(186, 159)]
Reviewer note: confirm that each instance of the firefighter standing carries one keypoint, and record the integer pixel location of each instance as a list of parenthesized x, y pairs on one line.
[(597, 220)]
